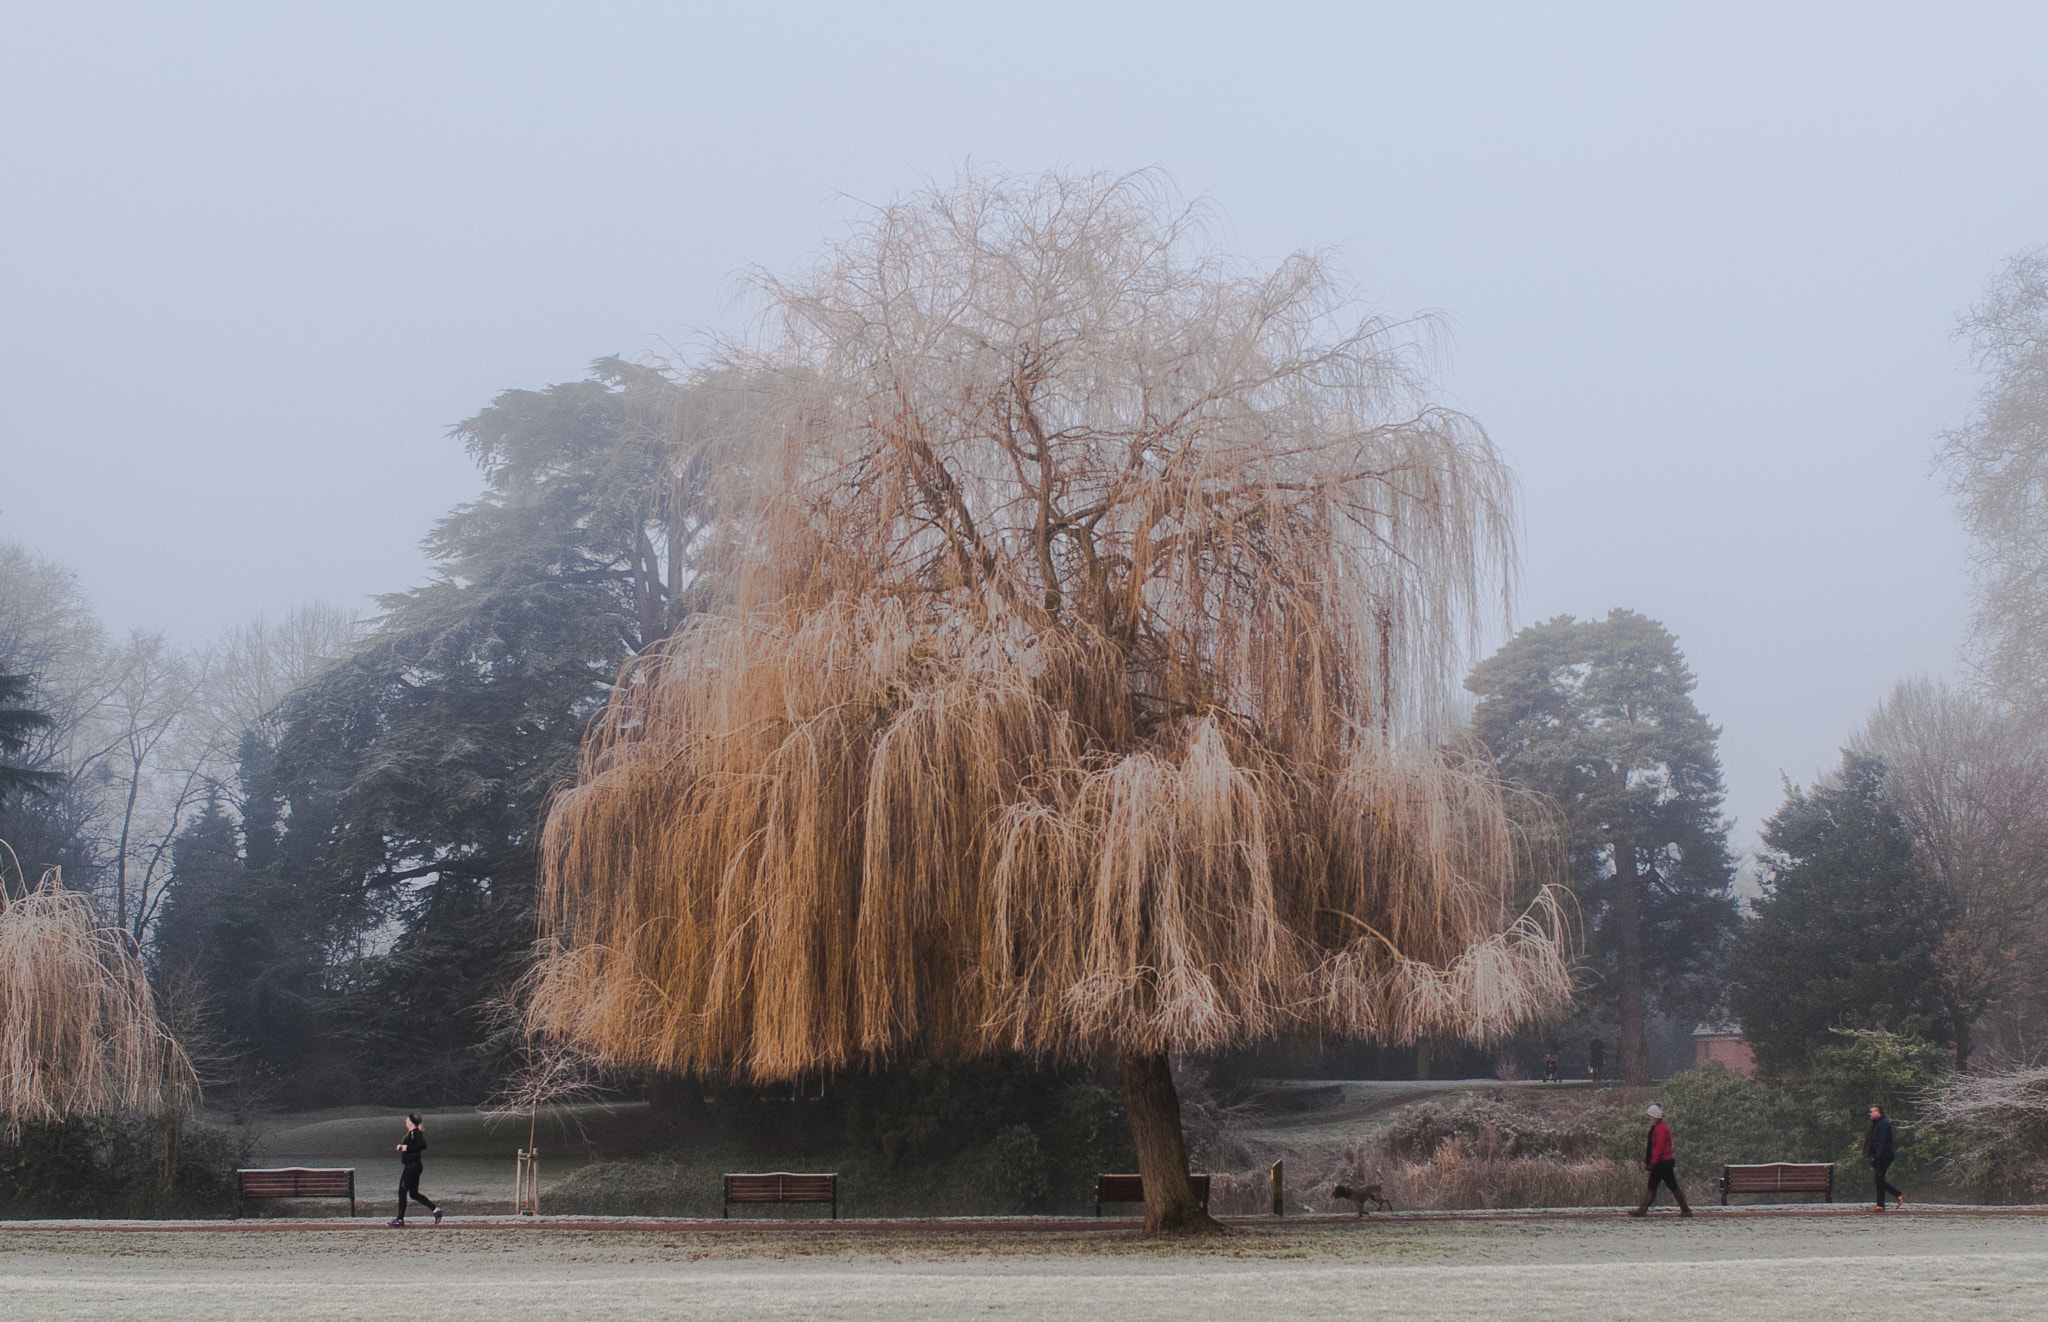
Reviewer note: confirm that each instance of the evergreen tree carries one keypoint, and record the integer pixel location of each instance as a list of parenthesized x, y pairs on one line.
[(1598, 717), (399, 808), (18, 722), (250, 927), (1846, 934)]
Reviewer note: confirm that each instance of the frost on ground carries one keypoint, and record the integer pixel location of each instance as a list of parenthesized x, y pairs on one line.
[(1714, 1267)]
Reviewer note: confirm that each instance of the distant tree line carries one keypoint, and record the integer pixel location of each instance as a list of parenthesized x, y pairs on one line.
[(321, 832)]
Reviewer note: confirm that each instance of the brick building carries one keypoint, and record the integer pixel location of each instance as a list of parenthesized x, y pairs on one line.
[(1725, 1043)]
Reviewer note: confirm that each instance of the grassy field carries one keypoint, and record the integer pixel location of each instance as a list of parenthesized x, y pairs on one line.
[(608, 1160), (1718, 1266), (1341, 1111), (469, 1153)]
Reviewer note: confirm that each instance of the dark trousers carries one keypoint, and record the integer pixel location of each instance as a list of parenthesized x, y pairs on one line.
[(1666, 1174), (1884, 1186), (409, 1183)]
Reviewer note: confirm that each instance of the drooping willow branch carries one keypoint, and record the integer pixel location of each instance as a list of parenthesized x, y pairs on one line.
[(79, 1031), (1092, 603)]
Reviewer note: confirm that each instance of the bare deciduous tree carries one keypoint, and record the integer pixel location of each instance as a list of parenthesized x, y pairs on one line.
[(1972, 787), (1997, 465), (145, 731), (1092, 599), (154, 763), (255, 666)]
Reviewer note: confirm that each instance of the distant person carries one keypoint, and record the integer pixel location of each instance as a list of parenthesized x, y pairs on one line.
[(411, 1163), (1662, 1163), (1597, 1051), (1877, 1145), (1550, 1067)]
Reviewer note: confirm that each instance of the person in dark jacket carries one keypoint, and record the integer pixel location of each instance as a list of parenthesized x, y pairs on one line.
[(1661, 1161), (1877, 1145), (411, 1163)]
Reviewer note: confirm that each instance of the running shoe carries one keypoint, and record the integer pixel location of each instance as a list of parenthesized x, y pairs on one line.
[(437, 1216), (396, 1223)]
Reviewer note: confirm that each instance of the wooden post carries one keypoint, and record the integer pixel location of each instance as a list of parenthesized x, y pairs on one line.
[(1279, 1190), (526, 1183)]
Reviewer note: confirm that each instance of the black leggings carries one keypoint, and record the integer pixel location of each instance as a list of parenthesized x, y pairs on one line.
[(409, 1183), (1664, 1173), (1884, 1186)]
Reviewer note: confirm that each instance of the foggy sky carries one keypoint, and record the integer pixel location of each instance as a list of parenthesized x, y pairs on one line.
[(1702, 266)]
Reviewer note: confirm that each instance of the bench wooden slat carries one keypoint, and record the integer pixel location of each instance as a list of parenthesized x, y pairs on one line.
[(1779, 1177), (1131, 1189), (298, 1182), (782, 1187)]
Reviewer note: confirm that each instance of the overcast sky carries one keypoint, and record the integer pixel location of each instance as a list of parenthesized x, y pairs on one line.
[(1702, 263)]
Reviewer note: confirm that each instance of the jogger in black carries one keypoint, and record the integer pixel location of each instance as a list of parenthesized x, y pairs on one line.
[(412, 1163), (1878, 1146)]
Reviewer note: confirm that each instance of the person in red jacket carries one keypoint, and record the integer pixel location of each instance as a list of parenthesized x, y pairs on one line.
[(1662, 1163)]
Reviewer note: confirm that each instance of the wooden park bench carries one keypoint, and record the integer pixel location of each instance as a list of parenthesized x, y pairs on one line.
[(1131, 1189), (782, 1187), (1779, 1177), (297, 1182)]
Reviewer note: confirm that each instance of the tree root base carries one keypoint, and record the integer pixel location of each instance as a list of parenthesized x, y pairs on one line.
[(1195, 1225)]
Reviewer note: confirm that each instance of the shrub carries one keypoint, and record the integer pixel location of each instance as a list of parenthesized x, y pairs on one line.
[(125, 1167), (1866, 1066), (1718, 1117), (1991, 1131), (1017, 1165), (1498, 1149)]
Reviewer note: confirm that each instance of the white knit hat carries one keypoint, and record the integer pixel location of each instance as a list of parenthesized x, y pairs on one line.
[(1654, 1111)]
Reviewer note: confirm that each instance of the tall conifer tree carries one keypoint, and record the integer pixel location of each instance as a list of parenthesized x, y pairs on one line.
[(1597, 715)]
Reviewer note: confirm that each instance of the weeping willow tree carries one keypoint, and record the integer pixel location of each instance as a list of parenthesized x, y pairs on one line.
[(1091, 598), (79, 1031)]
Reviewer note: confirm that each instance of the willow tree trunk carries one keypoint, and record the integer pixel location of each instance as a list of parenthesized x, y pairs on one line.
[(1153, 1106), (1628, 958)]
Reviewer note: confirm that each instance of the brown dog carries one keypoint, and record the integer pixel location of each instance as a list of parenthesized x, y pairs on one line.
[(1361, 1194)]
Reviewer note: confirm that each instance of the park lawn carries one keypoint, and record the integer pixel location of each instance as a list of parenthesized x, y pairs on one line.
[(469, 1152), (1717, 1266)]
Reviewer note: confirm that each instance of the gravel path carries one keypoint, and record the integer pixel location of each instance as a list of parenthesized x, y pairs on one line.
[(1915, 1264)]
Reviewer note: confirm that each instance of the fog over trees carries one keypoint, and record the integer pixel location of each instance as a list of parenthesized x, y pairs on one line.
[(1996, 461), (1595, 718), (1091, 608), (1035, 650)]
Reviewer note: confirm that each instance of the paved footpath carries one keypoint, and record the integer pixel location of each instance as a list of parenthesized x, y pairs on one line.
[(1780, 1263)]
